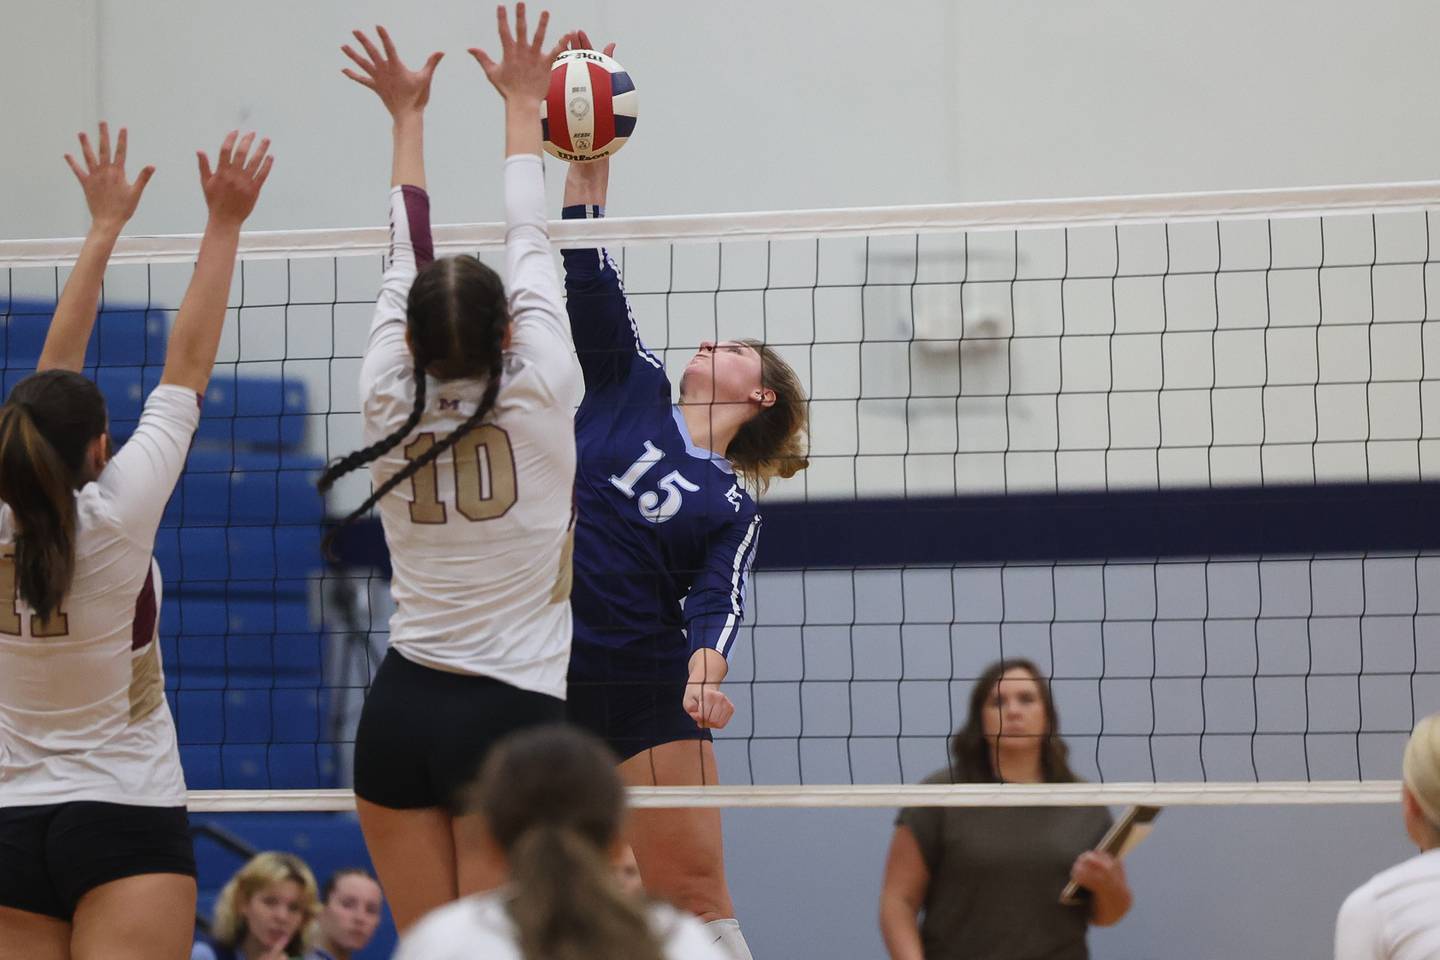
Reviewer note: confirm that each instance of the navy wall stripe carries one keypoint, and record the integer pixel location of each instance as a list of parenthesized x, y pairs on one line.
[(1235, 521), (1228, 521)]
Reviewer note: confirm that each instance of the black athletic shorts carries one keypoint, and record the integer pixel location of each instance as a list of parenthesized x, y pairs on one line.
[(52, 855), (424, 733), (631, 715)]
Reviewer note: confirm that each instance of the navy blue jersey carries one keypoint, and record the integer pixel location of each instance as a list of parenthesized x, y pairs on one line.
[(665, 533)]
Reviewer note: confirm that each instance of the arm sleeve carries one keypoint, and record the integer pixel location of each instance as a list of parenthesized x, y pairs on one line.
[(715, 605), (606, 338), (540, 333), (411, 249), (924, 823), (138, 481), (1357, 928)]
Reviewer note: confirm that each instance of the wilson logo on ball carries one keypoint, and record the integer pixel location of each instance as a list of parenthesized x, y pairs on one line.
[(590, 109)]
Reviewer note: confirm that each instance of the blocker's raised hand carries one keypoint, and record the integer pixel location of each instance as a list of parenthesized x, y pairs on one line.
[(233, 185), (109, 195), (402, 90), (524, 67)]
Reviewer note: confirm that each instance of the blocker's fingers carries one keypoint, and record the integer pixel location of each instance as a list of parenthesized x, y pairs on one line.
[(79, 174), (386, 42), (522, 30), (90, 162), (120, 146), (223, 158), (539, 40), (253, 167), (483, 58), (502, 18), (206, 174), (243, 150), (104, 142), (370, 49), (360, 61), (363, 81)]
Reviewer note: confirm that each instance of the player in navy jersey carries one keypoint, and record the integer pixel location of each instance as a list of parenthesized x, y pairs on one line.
[(95, 852), (468, 388), (666, 534)]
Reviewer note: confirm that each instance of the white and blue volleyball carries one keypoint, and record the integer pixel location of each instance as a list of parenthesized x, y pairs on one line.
[(591, 108)]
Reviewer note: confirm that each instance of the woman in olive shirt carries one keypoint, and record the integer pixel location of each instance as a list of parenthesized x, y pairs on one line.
[(989, 879)]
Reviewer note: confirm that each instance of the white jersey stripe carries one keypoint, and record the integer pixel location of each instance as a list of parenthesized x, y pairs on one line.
[(738, 581), (644, 354)]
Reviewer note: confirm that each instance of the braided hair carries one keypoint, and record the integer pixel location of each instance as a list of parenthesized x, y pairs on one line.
[(456, 319)]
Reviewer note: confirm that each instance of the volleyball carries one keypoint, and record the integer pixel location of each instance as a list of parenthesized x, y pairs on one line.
[(591, 108)]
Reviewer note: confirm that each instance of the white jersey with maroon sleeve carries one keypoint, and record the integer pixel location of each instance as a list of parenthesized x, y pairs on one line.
[(480, 540), (82, 694)]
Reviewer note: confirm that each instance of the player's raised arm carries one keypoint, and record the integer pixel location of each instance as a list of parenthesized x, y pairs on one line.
[(607, 342), (405, 94), (522, 76), (112, 200), (540, 332), (231, 188)]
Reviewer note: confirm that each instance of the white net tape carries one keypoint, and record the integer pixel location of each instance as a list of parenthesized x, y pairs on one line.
[(783, 225), (886, 795)]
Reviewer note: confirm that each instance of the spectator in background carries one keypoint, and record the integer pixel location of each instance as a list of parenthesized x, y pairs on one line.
[(1396, 915), (350, 904), (553, 804), (989, 879), (265, 912)]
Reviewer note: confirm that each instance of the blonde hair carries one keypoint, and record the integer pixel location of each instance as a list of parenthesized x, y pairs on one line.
[(263, 870), (1422, 767), (776, 441)]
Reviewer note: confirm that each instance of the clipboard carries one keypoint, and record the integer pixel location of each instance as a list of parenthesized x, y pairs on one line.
[(1123, 836)]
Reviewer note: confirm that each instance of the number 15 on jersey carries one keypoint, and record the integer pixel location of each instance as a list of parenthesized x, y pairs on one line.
[(674, 484)]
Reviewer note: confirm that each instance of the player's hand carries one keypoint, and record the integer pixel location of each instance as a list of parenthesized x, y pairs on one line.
[(111, 198), (703, 701), (402, 90), (706, 705), (524, 68), (233, 185), (1098, 872), (580, 40)]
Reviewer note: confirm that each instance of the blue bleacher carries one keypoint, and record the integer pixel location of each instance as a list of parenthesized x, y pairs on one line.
[(265, 412), (124, 336), (223, 488)]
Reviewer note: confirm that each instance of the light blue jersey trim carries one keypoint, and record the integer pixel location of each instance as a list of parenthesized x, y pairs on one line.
[(699, 453)]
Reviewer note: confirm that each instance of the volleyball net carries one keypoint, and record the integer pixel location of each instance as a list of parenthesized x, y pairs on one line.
[(1180, 451)]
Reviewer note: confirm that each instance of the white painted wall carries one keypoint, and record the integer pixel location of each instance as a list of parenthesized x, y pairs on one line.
[(745, 105)]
